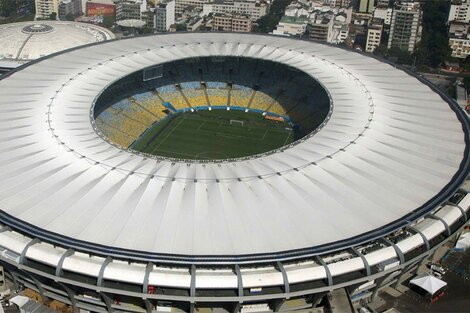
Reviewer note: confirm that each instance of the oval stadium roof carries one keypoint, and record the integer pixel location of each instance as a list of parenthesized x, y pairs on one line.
[(26, 41), (392, 150)]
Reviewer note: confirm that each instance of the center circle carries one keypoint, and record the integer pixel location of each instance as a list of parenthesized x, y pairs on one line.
[(37, 29), (211, 109)]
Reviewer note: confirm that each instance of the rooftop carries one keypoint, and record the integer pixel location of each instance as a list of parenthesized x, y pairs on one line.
[(26, 41), (373, 167)]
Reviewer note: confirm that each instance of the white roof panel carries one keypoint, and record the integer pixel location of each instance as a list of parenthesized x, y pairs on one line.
[(58, 175)]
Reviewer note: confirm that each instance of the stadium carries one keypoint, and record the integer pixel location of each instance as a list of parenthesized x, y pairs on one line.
[(26, 41), (223, 172)]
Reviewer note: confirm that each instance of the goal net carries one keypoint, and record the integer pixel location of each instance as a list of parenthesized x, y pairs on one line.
[(237, 122)]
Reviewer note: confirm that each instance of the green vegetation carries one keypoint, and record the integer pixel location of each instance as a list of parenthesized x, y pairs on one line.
[(267, 23), (181, 27), (434, 47), (211, 135), (8, 7), (15, 11), (69, 17), (396, 54)]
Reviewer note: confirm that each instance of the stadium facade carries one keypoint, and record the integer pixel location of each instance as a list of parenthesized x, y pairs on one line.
[(357, 204)]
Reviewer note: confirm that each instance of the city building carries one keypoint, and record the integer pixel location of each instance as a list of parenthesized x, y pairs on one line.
[(130, 9), (69, 9), (329, 23), (251, 8), (366, 6), (45, 8), (374, 35), (231, 22), (459, 39), (291, 26), (383, 3), (405, 26), (343, 34), (383, 13), (100, 8), (337, 3), (296, 9), (164, 15), (459, 11), (194, 23), (181, 5), (321, 29)]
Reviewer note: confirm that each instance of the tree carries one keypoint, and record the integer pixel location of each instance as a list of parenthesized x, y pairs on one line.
[(267, 23), (108, 21), (7, 8), (69, 17), (434, 48), (465, 64), (53, 16), (466, 82), (381, 51), (181, 28), (401, 56)]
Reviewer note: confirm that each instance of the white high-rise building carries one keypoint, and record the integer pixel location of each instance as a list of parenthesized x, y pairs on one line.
[(164, 15), (405, 27), (130, 9), (44, 8), (366, 6)]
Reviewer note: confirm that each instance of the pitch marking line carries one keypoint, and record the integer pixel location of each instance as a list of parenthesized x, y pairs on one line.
[(176, 126), (285, 141)]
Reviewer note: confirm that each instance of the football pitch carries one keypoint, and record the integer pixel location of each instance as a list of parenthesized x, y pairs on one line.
[(216, 134)]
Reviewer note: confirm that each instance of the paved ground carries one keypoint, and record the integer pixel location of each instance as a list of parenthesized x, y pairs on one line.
[(456, 298)]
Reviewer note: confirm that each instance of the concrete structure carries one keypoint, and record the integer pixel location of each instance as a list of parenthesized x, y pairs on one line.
[(383, 13), (405, 26), (130, 9), (180, 5), (69, 8), (374, 35), (194, 23), (361, 203), (164, 15), (337, 3), (321, 29), (459, 11), (366, 6), (100, 8), (291, 26), (343, 34), (461, 96), (254, 9), (231, 22), (459, 39), (334, 19), (27, 41), (44, 8)]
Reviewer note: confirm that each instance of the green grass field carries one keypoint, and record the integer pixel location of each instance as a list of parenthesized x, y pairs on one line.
[(210, 135)]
